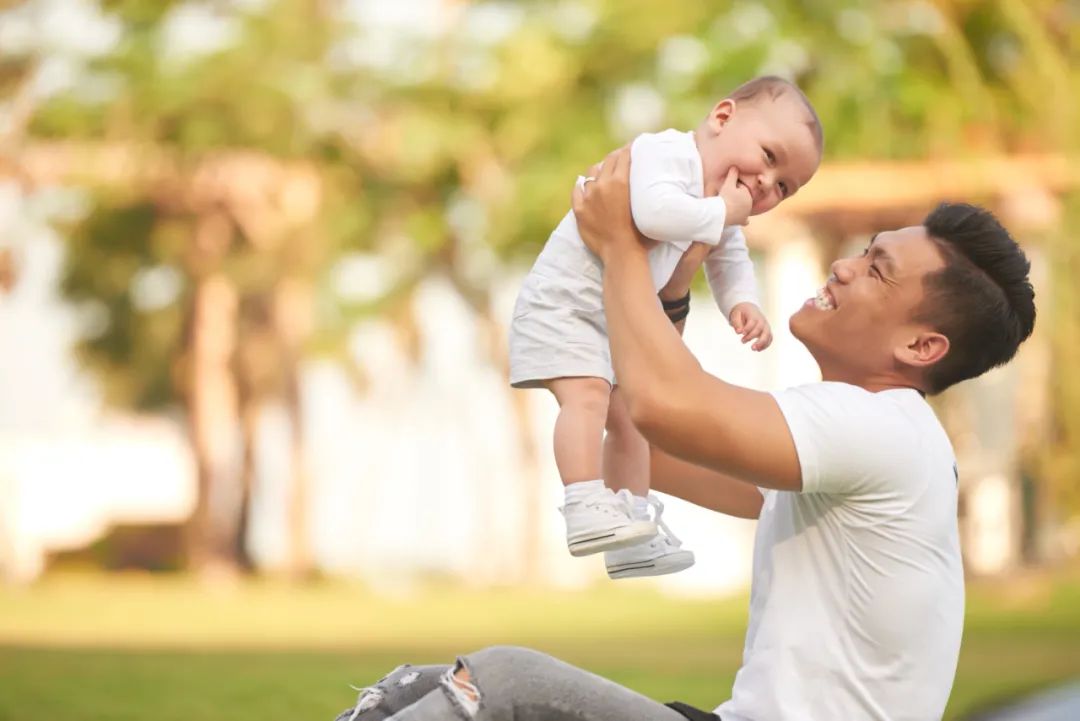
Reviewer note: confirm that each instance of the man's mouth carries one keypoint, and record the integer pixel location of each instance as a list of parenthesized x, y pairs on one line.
[(823, 300)]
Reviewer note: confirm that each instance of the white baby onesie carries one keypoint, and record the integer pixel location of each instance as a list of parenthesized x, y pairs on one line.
[(558, 328)]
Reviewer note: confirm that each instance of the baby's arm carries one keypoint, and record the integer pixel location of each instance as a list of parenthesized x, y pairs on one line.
[(731, 277), (663, 208), (730, 272)]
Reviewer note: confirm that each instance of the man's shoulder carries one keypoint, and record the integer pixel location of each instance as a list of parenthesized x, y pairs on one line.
[(887, 420), (849, 438), (841, 392)]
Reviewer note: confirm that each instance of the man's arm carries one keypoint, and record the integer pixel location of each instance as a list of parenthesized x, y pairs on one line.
[(675, 404), (700, 486), (703, 487)]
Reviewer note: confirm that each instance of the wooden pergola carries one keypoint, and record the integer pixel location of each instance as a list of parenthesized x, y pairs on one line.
[(844, 198)]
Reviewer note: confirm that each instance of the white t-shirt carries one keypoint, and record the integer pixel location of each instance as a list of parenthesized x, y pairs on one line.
[(857, 602)]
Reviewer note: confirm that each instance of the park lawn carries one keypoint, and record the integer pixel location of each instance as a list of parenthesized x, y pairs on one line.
[(82, 648)]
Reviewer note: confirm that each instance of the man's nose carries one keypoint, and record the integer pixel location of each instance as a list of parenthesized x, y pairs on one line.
[(841, 268)]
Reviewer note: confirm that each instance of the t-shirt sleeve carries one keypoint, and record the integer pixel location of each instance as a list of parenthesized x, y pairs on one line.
[(664, 209), (730, 272), (848, 440)]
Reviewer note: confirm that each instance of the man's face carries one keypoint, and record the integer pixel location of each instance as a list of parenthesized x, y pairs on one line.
[(769, 144), (864, 315)]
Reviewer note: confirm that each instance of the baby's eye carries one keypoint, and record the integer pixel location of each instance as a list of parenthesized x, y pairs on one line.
[(769, 156), (783, 189)]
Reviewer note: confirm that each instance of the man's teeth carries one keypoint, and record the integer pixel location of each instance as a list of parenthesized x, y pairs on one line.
[(823, 301)]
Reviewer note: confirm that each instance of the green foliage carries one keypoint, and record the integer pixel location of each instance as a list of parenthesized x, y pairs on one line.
[(504, 108), (132, 349)]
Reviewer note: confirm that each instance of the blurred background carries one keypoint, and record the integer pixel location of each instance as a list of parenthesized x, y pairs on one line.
[(257, 262)]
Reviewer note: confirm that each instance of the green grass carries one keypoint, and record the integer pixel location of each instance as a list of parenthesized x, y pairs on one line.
[(82, 648)]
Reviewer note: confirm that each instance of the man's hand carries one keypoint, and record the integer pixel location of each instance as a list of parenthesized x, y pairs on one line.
[(602, 208), (749, 322), (737, 198)]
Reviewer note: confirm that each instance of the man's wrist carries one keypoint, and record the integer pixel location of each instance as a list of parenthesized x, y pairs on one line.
[(675, 303), (677, 309), (628, 249), (668, 295)]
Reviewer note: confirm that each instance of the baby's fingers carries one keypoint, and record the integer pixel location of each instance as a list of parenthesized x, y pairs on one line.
[(738, 321), (764, 341), (752, 330)]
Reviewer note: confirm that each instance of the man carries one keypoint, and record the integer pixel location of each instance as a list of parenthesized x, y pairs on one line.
[(856, 607)]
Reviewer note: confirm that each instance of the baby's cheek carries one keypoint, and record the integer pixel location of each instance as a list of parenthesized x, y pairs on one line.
[(765, 205)]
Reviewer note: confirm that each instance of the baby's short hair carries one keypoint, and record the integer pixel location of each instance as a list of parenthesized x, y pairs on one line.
[(776, 87)]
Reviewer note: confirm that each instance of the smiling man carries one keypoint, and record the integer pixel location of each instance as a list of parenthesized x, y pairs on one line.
[(857, 602), (857, 599)]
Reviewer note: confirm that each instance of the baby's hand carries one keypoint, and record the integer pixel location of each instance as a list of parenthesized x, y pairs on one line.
[(736, 198), (749, 322)]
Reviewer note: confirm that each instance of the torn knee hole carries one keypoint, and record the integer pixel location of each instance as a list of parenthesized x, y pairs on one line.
[(458, 681), (461, 678)]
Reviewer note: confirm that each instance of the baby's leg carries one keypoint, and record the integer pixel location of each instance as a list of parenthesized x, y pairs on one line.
[(626, 452), (596, 518), (626, 466), (579, 429)]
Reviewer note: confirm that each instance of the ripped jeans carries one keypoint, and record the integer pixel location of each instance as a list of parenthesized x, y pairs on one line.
[(506, 683)]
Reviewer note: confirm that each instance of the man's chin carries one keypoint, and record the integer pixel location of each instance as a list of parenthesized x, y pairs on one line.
[(798, 323)]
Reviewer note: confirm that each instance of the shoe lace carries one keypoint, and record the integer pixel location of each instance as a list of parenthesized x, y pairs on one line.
[(663, 532), (619, 503)]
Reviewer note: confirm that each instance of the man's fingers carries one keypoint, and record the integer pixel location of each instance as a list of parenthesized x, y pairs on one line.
[(577, 198), (611, 160), (616, 161)]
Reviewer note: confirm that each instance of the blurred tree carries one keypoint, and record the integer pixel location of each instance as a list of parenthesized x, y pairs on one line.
[(449, 146), (196, 283), (499, 111)]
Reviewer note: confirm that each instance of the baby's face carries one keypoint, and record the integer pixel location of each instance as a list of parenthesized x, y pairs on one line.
[(767, 141)]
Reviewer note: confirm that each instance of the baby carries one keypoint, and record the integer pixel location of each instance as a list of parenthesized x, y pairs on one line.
[(755, 148)]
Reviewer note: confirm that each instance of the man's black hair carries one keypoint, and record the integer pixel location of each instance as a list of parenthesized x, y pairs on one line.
[(982, 300)]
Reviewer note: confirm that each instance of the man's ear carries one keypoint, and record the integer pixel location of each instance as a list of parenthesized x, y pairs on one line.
[(923, 350), (720, 114)]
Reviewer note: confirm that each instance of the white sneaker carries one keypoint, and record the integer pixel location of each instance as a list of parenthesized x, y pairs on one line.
[(603, 521), (660, 555)]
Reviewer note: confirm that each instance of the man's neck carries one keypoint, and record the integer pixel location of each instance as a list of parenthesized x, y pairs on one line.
[(875, 382)]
